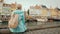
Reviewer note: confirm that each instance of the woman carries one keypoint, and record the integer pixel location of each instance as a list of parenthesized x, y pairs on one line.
[(21, 27)]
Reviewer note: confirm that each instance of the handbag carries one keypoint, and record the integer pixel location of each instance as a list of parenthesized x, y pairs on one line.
[(13, 22)]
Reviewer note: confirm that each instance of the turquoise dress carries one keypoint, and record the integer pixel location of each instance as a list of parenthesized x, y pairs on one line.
[(21, 22)]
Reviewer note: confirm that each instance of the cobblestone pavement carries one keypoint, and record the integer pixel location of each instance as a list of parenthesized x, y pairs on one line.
[(45, 31), (34, 25), (42, 24)]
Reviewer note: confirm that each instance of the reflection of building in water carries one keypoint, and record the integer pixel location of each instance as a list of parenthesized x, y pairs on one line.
[(53, 12), (13, 6), (34, 10), (44, 11), (38, 10), (59, 12), (1, 5), (6, 8)]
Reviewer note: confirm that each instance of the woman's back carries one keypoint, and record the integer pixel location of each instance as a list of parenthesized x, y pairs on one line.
[(21, 22)]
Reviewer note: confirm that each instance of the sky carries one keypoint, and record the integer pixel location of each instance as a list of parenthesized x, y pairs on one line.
[(27, 3)]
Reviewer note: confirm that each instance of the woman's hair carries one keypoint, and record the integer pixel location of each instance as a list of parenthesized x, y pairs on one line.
[(19, 6)]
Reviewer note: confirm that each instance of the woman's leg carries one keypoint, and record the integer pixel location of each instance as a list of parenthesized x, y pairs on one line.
[(14, 33), (22, 33)]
